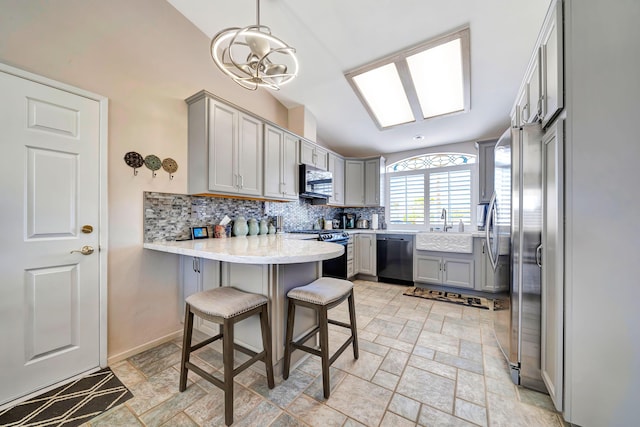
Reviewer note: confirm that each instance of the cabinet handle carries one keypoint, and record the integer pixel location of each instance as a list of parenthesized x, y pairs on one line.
[(444, 266), (483, 243)]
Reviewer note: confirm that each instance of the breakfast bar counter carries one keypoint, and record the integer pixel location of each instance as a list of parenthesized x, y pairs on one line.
[(270, 265)]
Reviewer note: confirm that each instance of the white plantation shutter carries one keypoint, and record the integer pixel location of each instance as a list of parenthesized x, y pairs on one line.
[(450, 190), (406, 199)]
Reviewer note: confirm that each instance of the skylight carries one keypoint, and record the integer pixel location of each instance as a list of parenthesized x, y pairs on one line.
[(425, 81)]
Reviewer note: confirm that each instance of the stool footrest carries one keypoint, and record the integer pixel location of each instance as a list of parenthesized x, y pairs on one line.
[(308, 349), (340, 350), (245, 365), (204, 374), (309, 335), (335, 322), (205, 342)]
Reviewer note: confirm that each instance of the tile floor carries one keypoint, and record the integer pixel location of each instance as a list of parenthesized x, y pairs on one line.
[(422, 363)]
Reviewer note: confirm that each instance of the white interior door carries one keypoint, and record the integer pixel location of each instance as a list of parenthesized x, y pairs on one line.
[(50, 198)]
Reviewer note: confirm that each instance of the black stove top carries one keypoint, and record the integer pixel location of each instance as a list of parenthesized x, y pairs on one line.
[(325, 235)]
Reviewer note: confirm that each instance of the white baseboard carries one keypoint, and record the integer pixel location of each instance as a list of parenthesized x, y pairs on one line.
[(111, 360)]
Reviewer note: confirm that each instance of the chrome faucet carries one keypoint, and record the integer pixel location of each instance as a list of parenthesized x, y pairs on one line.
[(444, 216)]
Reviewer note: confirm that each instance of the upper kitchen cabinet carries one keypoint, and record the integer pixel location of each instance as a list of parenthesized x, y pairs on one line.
[(485, 174), (225, 149), (354, 183), (541, 95), (314, 155), (373, 184), (363, 182), (280, 164), (336, 167), (551, 65)]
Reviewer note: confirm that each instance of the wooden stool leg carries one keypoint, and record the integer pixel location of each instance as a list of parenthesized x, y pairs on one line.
[(266, 344), (186, 346), (324, 349), (227, 360), (287, 343), (354, 329)]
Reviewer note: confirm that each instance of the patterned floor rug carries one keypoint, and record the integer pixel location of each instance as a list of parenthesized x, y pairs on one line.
[(455, 298), (69, 405)]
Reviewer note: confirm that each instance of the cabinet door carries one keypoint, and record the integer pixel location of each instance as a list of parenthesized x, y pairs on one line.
[(457, 272), (551, 54), (223, 156), (336, 167), (321, 158), (366, 253), (372, 182), (250, 155), (306, 153), (552, 264), (290, 167), (427, 269), (354, 183), (486, 162), (273, 156), (535, 94)]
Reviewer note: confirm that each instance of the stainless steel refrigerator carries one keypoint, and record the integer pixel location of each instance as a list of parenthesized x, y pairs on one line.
[(514, 230)]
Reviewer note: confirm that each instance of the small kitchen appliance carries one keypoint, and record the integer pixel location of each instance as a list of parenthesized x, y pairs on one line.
[(348, 221)]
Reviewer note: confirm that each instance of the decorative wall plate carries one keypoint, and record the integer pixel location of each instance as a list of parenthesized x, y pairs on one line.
[(134, 160), (152, 162), (170, 165)]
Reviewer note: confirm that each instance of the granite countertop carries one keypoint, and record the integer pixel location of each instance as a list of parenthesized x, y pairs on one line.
[(262, 249)]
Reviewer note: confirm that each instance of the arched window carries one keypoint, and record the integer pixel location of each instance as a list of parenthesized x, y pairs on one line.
[(421, 187)]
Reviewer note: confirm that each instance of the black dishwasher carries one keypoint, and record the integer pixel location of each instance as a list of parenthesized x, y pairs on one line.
[(395, 258)]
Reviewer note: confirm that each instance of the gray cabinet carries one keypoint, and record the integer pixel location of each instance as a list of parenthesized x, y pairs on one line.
[(446, 269), (486, 278), (314, 155), (280, 164), (528, 104), (225, 149), (197, 275), (336, 167), (366, 253), (364, 185), (552, 66), (351, 271), (485, 170), (354, 183)]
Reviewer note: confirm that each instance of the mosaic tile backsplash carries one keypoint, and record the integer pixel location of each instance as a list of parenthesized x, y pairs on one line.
[(170, 216)]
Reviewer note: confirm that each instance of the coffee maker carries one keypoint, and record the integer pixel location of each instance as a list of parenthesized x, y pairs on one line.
[(348, 221)]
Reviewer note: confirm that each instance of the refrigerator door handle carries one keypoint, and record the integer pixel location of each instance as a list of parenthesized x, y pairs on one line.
[(490, 223), (539, 255)]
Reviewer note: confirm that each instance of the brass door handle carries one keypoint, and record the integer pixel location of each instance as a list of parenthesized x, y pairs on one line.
[(85, 250)]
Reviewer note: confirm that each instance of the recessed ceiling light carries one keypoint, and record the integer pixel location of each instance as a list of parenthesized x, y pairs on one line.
[(418, 138)]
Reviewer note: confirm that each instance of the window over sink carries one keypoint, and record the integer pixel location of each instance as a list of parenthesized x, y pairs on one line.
[(420, 187)]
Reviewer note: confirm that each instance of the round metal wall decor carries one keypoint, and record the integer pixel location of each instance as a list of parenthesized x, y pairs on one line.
[(170, 165), (134, 160), (153, 163)]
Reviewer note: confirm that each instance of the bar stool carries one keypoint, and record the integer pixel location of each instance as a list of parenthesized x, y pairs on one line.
[(321, 295), (226, 306)]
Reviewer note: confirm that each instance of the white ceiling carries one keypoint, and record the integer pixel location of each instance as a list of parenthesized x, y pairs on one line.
[(335, 36)]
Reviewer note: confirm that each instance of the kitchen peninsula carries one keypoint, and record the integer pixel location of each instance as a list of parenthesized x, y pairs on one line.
[(270, 265)]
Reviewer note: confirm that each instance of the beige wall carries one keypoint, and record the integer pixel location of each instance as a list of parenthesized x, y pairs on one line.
[(146, 58)]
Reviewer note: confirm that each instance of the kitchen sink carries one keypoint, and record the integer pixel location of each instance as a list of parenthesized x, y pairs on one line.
[(445, 242)]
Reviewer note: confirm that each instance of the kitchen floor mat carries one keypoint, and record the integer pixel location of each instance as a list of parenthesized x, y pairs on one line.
[(456, 298), (71, 404)]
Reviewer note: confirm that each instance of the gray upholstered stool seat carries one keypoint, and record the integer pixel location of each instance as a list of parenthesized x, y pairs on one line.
[(224, 302), (226, 306), (320, 295), (322, 291)]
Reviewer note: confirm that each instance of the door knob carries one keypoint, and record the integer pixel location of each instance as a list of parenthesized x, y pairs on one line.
[(85, 250)]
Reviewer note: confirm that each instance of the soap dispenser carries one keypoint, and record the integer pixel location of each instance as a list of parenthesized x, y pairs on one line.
[(460, 226)]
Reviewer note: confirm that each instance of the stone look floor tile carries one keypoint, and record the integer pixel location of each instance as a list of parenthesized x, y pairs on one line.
[(428, 388), (360, 400), (408, 408), (432, 417), (395, 362), (315, 413), (393, 420), (421, 361), (120, 416), (471, 412)]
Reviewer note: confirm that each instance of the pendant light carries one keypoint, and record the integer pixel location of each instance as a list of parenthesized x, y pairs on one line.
[(253, 57)]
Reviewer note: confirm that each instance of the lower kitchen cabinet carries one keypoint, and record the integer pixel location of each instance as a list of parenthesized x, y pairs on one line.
[(351, 271), (198, 274), (488, 279), (366, 253), (446, 269)]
